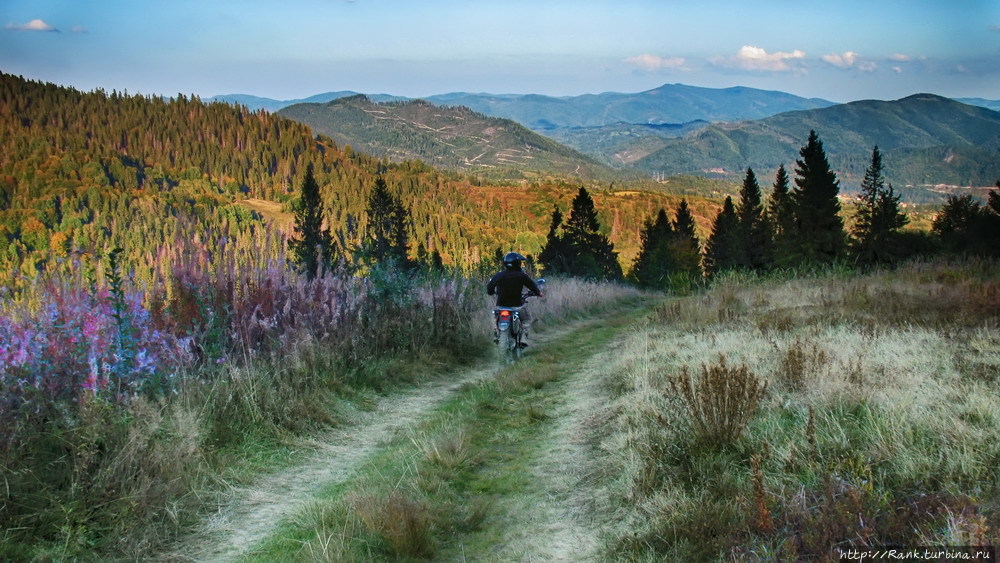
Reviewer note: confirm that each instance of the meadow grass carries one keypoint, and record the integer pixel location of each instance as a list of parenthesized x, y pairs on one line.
[(879, 426)]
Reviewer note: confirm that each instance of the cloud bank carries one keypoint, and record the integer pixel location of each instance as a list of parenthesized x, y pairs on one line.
[(654, 62), (33, 25), (750, 57), (850, 59)]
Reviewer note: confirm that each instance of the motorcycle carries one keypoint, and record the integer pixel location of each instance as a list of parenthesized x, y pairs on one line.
[(510, 331)]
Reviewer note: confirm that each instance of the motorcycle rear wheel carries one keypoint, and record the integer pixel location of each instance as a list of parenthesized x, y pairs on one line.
[(510, 347)]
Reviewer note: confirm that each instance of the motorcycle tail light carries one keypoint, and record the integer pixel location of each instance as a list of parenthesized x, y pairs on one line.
[(504, 314)]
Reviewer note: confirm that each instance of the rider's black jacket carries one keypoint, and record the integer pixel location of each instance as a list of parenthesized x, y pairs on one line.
[(506, 285)]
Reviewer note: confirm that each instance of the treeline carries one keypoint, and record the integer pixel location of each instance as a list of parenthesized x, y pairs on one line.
[(797, 226)]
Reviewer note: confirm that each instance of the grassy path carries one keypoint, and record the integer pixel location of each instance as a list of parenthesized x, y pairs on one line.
[(254, 512), (492, 465)]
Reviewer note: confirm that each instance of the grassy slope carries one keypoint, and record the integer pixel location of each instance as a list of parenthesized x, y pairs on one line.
[(878, 426)]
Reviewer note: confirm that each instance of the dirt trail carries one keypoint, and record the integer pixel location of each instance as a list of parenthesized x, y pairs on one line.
[(562, 518), (254, 512)]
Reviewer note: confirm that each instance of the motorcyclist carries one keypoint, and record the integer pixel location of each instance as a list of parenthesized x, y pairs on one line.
[(507, 284)]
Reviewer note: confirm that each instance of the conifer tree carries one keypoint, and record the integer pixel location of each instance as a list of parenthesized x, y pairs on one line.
[(965, 226), (722, 250), (686, 248), (589, 254), (654, 263), (553, 255), (755, 235), (780, 218), (312, 245), (878, 217), (386, 236), (819, 229)]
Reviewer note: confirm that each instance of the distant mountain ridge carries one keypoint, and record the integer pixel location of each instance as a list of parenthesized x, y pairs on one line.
[(675, 129), (925, 140), (670, 103), (256, 102), (454, 138)]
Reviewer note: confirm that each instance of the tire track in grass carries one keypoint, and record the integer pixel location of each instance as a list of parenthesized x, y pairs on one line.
[(560, 511), (562, 516), (255, 511)]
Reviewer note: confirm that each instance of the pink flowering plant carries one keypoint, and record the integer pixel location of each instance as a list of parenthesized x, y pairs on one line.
[(82, 341)]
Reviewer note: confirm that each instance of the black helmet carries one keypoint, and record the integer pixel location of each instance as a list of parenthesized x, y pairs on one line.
[(513, 260)]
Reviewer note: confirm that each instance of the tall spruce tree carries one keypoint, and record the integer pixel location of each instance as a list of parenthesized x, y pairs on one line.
[(685, 247), (723, 247), (755, 235), (780, 218), (654, 264), (819, 235), (589, 254), (311, 246), (878, 218), (386, 238)]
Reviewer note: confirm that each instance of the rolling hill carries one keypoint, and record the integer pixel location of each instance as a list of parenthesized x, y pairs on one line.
[(925, 140), (670, 103), (454, 138)]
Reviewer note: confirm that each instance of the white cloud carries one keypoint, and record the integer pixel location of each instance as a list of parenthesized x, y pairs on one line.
[(845, 60), (33, 25), (849, 59), (995, 28), (750, 57), (897, 70), (901, 58), (654, 62)]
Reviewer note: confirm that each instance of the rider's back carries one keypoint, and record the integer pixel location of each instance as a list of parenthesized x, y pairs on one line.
[(508, 284)]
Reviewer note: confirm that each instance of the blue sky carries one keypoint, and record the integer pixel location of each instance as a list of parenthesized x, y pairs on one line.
[(841, 50)]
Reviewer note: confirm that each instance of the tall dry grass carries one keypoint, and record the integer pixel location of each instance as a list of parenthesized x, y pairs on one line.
[(879, 426)]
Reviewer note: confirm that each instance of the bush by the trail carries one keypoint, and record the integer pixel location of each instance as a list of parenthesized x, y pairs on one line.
[(720, 401)]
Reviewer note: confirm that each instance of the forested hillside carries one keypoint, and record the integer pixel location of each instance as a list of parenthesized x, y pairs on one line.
[(926, 139), (454, 138), (82, 173)]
